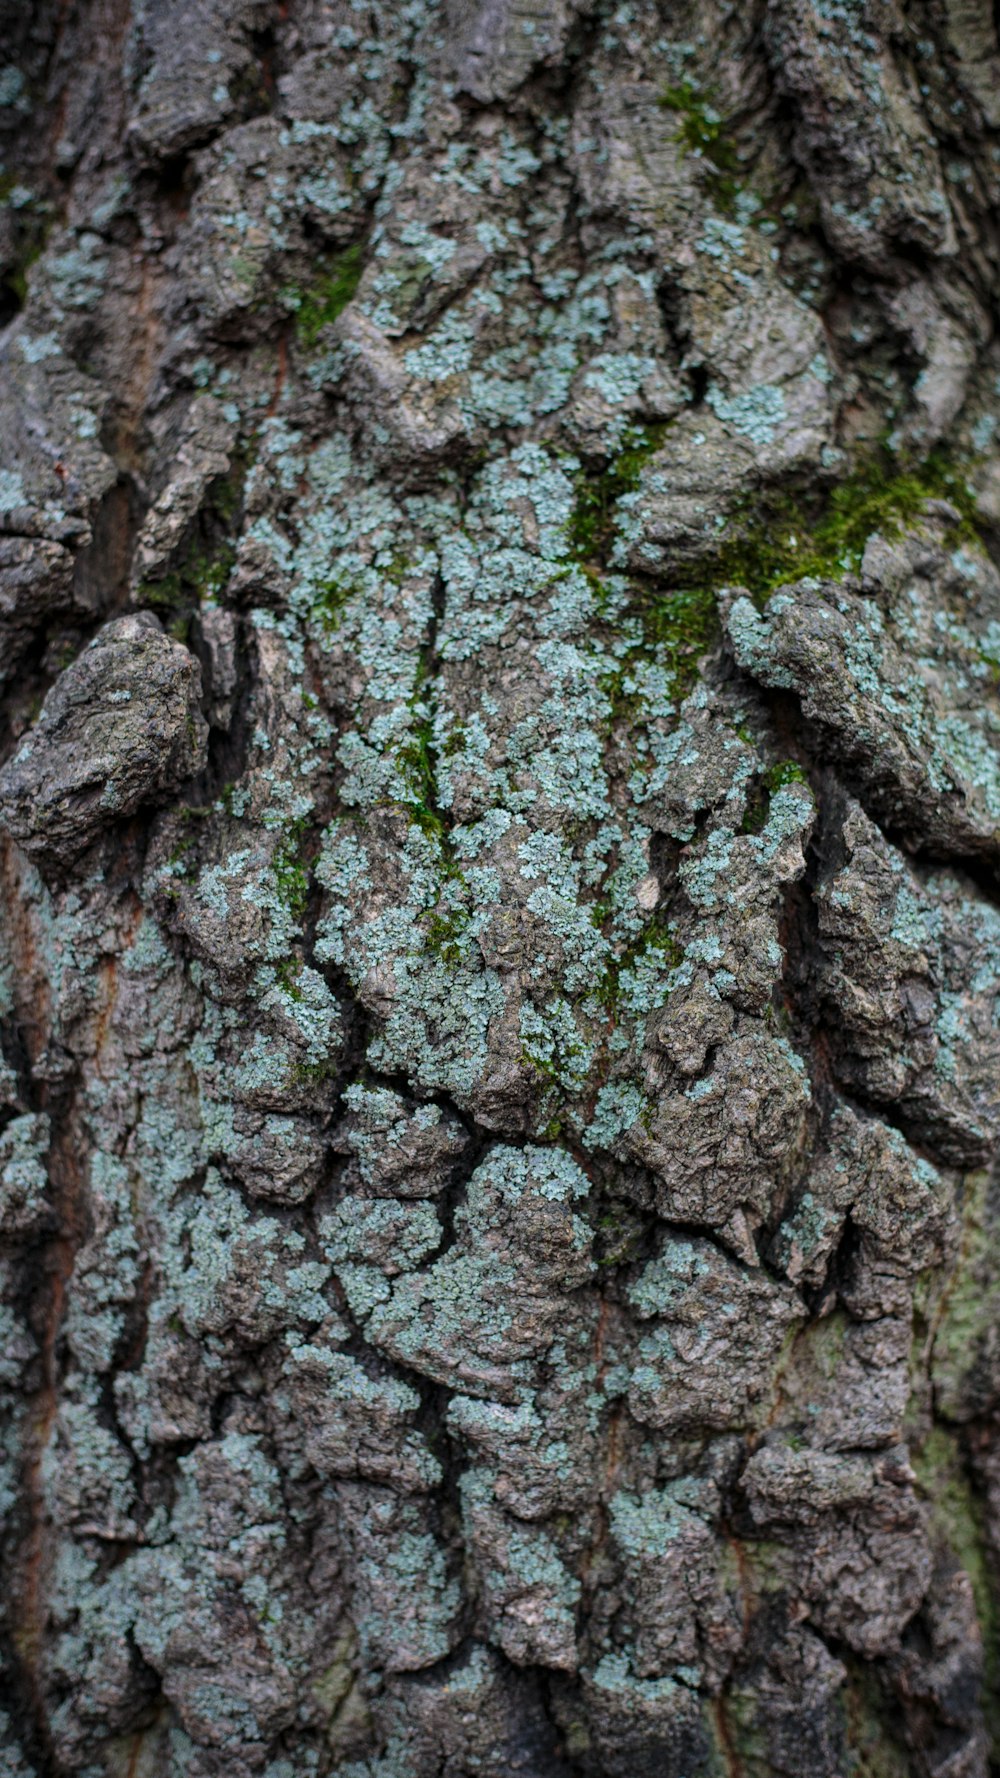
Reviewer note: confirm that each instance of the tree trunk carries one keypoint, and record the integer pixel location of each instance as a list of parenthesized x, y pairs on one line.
[(501, 944)]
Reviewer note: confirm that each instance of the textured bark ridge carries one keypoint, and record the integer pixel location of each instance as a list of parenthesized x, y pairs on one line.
[(500, 840)]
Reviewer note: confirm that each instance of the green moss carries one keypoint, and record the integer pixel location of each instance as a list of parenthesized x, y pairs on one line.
[(624, 707), (787, 771), (824, 1343), (559, 1072), (181, 865), (183, 857), (333, 289), (398, 569), (443, 933), (15, 281), (192, 814), (226, 495), (545, 1067), (591, 525), (773, 540), (959, 1520), (339, 1695), (331, 597), (290, 872), (418, 763), (678, 625), (444, 925), (875, 1745), (701, 128), (967, 1312), (29, 223), (739, 1738), (206, 562), (759, 801), (620, 1233), (787, 536), (305, 1073), (287, 974), (417, 760), (702, 131), (200, 577), (655, 937), (681, 624), (758, 808)]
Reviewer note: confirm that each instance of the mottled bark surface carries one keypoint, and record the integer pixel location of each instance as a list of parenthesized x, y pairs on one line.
[(500, 1265)]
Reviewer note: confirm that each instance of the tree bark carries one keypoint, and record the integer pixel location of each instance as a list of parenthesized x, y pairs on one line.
[(501, 944)]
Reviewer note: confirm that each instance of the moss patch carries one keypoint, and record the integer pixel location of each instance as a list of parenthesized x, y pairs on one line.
[(701, 130), (206, 560), (682, 624), (328, 605), (416, 759), (772, 538), (202, 575), (621, 1233), (657, 937), (591, 526), (29, 222), (786, 537), (678, 625), (325, 299), (958, 1517), (290, 872), (875, 1745), (787, 771), (445, 932)]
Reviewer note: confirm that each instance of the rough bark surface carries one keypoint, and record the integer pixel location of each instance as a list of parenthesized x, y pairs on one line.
[(500, 1264)]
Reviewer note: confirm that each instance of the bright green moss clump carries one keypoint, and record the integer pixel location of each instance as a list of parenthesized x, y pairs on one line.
[(678, 628), (416, 759), (290, 872), (202, 575), (957, 1515), (444, 933), (656, 938), (331, 597), (331, 293), (787, 771), (683, 624), (791, 536), (872, 1723), (203, 569), (591, 526), (679, 624), (701, 130), (773, 538)]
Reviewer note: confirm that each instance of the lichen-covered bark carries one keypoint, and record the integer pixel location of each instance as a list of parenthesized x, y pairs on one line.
[(500, 932)]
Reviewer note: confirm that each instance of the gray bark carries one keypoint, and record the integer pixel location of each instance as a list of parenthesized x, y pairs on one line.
[(500, 822)]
